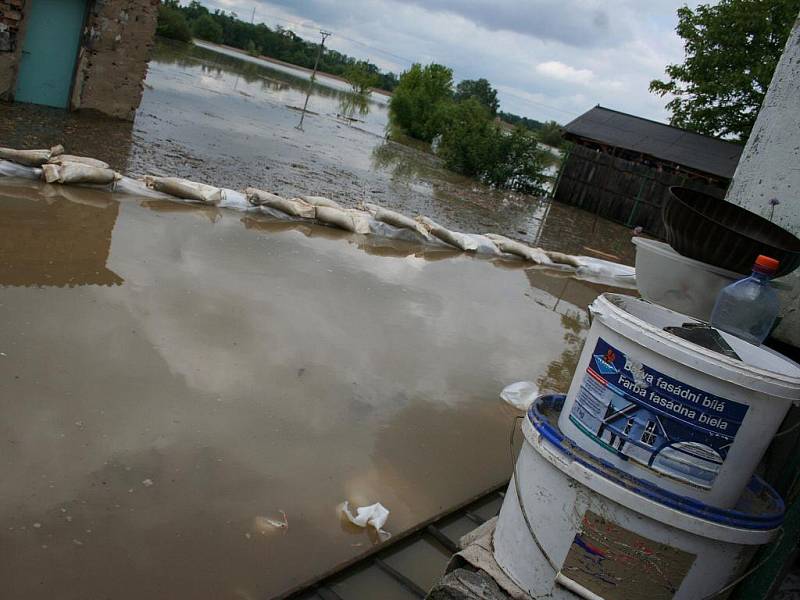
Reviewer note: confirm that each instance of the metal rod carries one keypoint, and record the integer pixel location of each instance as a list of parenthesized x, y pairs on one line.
[(325, 35)]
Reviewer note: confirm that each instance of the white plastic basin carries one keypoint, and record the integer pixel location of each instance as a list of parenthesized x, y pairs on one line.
[(674, 281)]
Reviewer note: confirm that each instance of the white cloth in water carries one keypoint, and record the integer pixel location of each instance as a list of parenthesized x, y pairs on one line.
[(351, 220), (374, 514), (12, 169), (183, 188), (520, 395)]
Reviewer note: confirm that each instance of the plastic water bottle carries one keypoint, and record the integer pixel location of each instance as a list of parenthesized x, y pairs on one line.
[(748, 308)]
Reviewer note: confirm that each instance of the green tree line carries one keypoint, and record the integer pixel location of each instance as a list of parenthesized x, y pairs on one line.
[(462, 123), (195, 20)]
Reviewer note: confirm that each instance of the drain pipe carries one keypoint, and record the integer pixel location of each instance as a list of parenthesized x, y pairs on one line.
[(767, 179)]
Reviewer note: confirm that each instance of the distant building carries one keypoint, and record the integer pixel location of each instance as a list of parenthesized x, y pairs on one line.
[(76, 53), (621, 166)]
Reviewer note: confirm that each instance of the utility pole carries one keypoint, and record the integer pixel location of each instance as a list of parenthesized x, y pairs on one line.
[(325, 35), (253, 18)]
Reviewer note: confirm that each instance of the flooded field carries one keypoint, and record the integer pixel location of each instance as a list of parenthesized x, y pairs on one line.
[(173, 377), (176, 379), (222, 117)]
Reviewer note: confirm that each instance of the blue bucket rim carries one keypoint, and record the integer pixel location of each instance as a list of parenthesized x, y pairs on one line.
[(685, 504)]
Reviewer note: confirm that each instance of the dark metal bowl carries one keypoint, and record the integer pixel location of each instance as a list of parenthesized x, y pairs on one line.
[(723, 234)]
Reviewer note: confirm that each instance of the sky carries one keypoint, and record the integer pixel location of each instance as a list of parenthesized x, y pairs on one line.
[(548, 59)]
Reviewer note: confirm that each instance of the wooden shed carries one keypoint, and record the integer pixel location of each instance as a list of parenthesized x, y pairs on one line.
[(621, 166)]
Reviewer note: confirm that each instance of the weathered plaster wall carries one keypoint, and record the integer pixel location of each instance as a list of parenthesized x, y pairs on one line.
[(113, 59), (767, 180), (112, 62), (12, 22)]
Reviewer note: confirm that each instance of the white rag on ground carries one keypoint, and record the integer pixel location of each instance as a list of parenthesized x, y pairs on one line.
[(374, 514)]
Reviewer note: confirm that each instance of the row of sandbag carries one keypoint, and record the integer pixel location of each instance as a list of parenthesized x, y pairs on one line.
[(58, 167)]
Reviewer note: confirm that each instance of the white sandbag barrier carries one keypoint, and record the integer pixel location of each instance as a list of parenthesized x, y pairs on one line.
[(55, 167)]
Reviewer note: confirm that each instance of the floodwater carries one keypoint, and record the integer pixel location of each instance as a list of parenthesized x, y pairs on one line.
[(221, 117), (173, 377)]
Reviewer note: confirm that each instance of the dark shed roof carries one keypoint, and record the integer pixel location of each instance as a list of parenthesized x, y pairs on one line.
[(686, 148)]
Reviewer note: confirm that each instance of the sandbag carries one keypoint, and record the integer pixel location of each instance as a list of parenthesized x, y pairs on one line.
[(534, 255), (395, 218), (31, 158), (183, 188), (564, 259), (454, 238), (294, 207), (320, 201), (350, 220), (78, 173), (83, 160)]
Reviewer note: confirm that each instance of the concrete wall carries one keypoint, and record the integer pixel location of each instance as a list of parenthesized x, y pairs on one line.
[(767, 180), (112, 62)]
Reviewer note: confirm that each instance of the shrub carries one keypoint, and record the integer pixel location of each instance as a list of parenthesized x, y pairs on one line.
[(420, 100)]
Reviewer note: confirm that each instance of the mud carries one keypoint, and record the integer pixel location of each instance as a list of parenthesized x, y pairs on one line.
[(173, 377), (220, 117)]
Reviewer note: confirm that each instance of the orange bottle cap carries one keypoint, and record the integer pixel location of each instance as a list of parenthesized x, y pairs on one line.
[(767, 263)]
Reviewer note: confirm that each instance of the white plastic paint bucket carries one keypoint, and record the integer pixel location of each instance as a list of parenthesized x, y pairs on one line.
[(602, 533), (689, 419)]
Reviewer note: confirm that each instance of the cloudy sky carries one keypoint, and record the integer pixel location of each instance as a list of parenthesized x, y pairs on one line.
[(549, 59)]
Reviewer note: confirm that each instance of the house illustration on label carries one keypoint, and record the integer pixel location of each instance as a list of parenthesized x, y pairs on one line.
[(638, 433)]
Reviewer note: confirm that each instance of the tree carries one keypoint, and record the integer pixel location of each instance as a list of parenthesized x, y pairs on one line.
[(550, 134), (207, 28), (252, 48), (731, 50), (474, 145), (361, 77), (172, 24), (481, 90), (469, 138), (420, 100)]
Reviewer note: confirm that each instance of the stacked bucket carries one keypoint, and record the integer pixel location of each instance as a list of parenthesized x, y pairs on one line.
[(639, 483)]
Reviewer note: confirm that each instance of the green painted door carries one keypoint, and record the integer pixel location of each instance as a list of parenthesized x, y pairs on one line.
[(52, 37)]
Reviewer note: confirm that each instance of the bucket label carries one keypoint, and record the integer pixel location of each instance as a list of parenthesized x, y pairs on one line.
[(617, 564), (663, 424)]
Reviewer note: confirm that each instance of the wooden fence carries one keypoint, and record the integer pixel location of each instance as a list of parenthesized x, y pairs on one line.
[(627, 192)]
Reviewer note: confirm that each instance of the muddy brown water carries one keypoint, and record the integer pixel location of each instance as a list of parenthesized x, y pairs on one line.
[(224, 118), (172, 376)]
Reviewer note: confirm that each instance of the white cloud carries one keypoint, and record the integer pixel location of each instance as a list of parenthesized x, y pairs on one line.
[(562, 72)]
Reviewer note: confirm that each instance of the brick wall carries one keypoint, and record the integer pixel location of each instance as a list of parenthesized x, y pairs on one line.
[(113, 60), (11, 24)]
